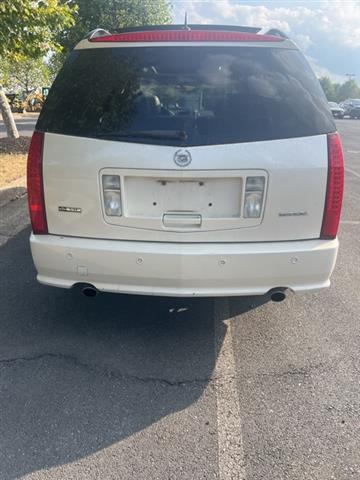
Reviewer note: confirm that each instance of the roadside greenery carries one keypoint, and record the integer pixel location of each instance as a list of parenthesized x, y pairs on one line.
[(28, 30), (24, 76), (111, 15), (336, 92)]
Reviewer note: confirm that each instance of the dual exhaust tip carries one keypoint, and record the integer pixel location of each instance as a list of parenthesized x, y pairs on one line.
[(89, 291), (276, 294)]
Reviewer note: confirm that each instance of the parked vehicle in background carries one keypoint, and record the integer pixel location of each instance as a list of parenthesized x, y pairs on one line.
[(349, 104), (198, 161), (336, 110), (355, 111), (30, 102), (34, 101)]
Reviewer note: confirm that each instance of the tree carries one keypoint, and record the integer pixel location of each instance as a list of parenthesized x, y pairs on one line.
[(112, 15), (24, 75), (328, 88), (28, 29), (349, 89), (336, 92)]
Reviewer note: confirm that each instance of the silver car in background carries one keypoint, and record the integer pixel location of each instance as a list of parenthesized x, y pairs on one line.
[(336, 110)]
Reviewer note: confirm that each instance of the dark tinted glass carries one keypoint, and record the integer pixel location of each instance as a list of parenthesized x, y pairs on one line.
[(187, 96)]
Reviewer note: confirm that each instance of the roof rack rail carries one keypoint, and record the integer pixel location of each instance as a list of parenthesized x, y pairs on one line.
[(276, 33), (222, 28), (98, 32)]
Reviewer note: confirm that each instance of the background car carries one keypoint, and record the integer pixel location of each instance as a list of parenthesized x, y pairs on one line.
[(355, 111), (349, 104), (336, 110)]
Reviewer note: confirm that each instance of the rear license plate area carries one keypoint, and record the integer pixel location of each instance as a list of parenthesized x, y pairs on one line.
[(152, 197)]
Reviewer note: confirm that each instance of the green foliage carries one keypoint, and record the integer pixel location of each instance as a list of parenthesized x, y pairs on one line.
[(338, 93), (55, 63), (28, 28), (329, 89), (349, 89), (25, 75), (112, 15)]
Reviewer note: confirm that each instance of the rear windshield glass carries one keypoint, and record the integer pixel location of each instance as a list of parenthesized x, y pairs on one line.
[(186, 96)]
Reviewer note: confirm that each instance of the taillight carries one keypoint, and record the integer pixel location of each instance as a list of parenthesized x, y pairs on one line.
[(35, 185), (186, 36), (335, 188)]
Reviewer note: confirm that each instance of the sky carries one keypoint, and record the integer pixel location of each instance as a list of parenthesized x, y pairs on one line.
[(327, 31)]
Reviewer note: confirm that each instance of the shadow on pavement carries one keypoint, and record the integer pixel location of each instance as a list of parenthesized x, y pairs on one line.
[(78, 375)]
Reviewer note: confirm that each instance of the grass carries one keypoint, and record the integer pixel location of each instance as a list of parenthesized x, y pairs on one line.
[(13, 155), (12, 166)]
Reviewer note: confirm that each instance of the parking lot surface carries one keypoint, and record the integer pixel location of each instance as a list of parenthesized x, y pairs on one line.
[(25, 124), (122, 387)]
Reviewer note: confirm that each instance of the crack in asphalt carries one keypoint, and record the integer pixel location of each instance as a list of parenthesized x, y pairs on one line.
[(110, 372), (303, 372)]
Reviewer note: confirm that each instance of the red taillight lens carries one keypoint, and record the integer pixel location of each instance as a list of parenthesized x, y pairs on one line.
[(335, 188), (35, 185), (187, 36)]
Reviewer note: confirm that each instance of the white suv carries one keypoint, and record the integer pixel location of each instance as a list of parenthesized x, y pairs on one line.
[(198, 161)]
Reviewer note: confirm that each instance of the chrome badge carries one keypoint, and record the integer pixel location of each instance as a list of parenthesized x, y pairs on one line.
[(293, 214), (70, 209), (182, 158)]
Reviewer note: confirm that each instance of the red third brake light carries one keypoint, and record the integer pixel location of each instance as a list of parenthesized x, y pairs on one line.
[(186, 36), (35, 185), (335, 188)]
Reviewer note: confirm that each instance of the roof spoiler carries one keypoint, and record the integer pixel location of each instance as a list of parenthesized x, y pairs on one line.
[(100, 32), (188, 26)]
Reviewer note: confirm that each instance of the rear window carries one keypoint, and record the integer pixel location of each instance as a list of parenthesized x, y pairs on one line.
[(186, 96)]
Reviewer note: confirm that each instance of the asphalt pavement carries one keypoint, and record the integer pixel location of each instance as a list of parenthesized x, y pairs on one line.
[(122, 387), (25, 124)]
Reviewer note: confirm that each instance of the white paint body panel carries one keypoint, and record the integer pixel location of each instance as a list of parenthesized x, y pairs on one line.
[(206, 269), (295, 170)]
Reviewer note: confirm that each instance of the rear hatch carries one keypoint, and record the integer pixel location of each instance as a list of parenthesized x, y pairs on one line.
[(198, 142)]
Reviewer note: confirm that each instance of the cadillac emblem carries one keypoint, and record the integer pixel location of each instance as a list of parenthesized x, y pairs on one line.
[(182, 158)]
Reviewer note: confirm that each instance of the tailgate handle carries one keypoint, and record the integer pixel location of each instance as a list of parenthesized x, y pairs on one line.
[(181, 220)]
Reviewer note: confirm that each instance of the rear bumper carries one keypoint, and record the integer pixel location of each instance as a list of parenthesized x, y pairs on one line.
[(206, 269)]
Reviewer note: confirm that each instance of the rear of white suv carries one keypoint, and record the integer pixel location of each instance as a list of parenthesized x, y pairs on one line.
[(187, 163)]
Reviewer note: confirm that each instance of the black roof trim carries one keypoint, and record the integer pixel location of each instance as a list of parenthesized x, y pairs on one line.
[(221, 28)]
